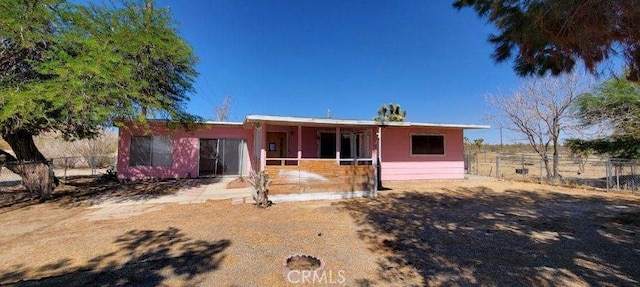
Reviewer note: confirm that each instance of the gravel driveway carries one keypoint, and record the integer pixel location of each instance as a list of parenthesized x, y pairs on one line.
[(452, 233)]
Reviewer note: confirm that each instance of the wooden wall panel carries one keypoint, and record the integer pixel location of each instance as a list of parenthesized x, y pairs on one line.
[(320, 176)]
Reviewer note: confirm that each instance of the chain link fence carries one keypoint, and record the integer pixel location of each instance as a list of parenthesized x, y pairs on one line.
[(63, 168), (604, 173)]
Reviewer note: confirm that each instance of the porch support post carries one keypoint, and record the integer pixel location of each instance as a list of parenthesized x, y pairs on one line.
[(379, 160), (338, 138), (263, 146), (299, 143), (380, 143), (374, 160)]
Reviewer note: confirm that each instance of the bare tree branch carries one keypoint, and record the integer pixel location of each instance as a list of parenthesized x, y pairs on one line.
[(540, 111)]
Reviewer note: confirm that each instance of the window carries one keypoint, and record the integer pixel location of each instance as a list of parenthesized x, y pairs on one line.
[(327, 145), (151, 151), (427, 144), (352, 145)]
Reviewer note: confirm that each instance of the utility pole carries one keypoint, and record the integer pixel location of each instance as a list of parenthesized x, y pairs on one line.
[(500, 138)]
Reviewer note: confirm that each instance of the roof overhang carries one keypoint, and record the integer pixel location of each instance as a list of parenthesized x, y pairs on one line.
[(217, 123), (320, 122), (252, 120)]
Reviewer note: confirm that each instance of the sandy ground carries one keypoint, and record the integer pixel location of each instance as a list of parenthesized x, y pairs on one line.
[(451, 233)]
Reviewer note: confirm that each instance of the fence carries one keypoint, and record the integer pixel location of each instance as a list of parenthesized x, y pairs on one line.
[(63, 167), (605, 173)]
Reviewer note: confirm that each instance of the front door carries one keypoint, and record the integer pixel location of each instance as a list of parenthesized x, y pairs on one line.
[(276, 146)]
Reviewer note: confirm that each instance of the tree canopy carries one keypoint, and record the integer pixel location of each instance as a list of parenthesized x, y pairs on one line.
[(73, 68), (553, 35), (616, 105)]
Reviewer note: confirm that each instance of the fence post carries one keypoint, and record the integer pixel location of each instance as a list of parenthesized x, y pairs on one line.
[(633, 177), (522, 161), (541, 163), (618, 170), (477, 164), (608, 175), (498, 166), (66, 165)]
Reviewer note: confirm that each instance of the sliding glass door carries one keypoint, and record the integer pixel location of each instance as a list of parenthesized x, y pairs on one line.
[(222, 157)]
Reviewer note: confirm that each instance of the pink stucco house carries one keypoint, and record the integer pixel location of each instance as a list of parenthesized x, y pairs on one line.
[(302, 155)]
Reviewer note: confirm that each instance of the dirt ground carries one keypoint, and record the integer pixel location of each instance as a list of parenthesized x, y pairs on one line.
[(452, 233)]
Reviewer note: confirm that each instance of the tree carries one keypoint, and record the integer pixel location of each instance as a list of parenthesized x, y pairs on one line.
[(72, 69), (553, 35), (616, 104), (478, 144), (221, 112), (390, 113), (539, 110)]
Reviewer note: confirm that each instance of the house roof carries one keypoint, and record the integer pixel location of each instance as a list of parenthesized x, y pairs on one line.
[(340, 122), (323, 122), (223, 123)]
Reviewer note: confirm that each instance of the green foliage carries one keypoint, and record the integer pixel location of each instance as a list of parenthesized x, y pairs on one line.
[(390, 113), (552, 35), (624, 146), (72, 68), (615, 103)]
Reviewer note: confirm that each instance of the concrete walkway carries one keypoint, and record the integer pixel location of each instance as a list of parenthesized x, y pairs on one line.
[(123, 208)]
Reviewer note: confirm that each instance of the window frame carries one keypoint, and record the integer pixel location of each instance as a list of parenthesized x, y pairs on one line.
[(359, 143), (444, 145), (154, 139)]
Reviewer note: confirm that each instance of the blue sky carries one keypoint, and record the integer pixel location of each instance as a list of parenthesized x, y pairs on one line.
[(302, 58)]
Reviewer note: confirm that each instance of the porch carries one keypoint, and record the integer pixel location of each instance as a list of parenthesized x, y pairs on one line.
[(321, 175), (317, 159)]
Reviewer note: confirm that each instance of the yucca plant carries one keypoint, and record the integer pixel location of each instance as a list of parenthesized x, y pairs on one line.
[(390, 113)]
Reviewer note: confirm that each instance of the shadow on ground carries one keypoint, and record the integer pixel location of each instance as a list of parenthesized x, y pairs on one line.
[(475, 236), (89, 190), (142, 258)]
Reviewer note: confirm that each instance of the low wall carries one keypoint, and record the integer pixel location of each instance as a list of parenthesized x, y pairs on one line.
[(314, 176)]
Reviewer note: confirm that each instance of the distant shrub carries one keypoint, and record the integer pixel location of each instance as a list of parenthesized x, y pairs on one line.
[(99, 150)]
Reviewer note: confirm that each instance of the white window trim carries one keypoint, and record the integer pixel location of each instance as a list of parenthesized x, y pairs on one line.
[(444, 145)]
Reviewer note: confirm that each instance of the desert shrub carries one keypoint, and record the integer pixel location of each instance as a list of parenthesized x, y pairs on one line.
[(99, 150)]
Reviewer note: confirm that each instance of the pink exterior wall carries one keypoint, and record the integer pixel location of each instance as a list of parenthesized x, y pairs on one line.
[(186, 148), (399, 164), (310, 142), (397, 161)]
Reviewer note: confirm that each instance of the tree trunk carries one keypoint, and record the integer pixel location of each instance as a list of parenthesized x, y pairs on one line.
[(264, 189), (556, 173), (37, 174), (547, 168)]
